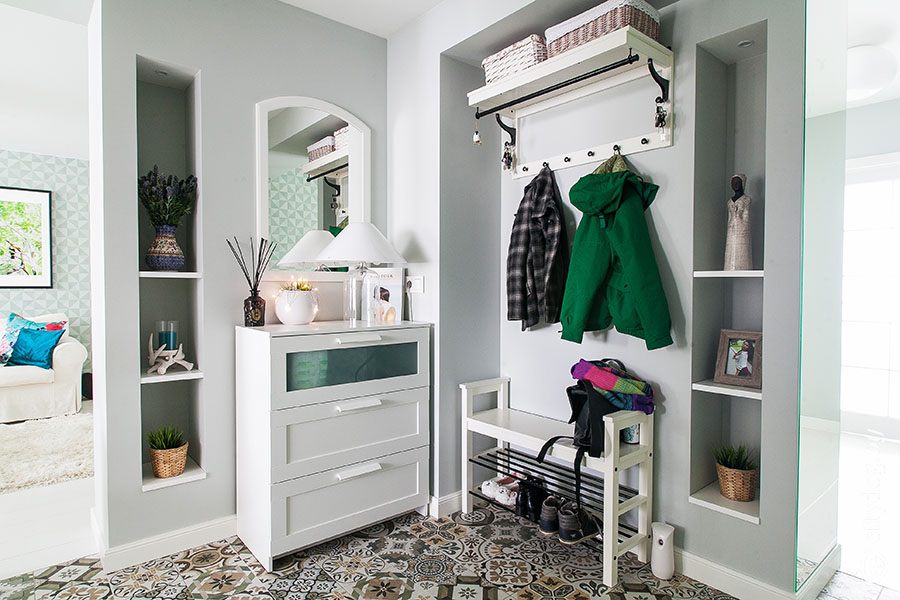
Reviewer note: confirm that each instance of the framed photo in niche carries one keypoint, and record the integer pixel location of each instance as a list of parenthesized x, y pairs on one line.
[(25, 257), (739, 359)]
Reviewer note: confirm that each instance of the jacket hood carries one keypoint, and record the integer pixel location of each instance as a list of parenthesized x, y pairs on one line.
[(598, 194)]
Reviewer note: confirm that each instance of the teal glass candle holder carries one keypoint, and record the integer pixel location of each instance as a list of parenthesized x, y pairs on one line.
[(167, 334)]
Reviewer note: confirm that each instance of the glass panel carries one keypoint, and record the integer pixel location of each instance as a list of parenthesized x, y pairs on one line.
[(323, 368)]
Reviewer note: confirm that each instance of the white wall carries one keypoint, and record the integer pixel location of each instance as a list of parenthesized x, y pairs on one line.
[(245, 51), (43, 97), (537, 360)]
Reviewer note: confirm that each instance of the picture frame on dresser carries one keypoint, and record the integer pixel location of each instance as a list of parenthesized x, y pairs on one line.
[(739, 358), (26, 258)]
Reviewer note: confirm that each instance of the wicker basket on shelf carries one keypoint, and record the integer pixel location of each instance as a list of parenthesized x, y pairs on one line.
[(512, 59), (600, 20), (736, 484), (168, 463), (321, 148)]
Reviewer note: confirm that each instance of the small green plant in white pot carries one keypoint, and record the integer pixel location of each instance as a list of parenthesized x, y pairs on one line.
[(168, 451), (738, 472), (296, 303)]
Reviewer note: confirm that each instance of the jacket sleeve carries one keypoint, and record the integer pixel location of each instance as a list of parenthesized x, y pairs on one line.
[(631, 239), (516, 277), (583, 304)]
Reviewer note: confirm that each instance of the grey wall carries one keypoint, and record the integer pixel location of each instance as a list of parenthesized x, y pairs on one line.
[(869, 129), (245, 52), (538, 361)]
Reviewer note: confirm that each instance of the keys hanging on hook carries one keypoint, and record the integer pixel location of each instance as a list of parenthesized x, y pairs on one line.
[(509, 148)]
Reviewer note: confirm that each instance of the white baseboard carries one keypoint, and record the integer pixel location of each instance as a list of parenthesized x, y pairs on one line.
[(445, 505), (747, 588), (140, 551)]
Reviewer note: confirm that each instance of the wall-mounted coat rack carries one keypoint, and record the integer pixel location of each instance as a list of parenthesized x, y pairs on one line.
[(609, 61)]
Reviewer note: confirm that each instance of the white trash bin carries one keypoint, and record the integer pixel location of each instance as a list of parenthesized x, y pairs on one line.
[(662, 557)]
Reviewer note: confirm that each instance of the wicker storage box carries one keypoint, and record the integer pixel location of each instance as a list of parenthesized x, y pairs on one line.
[(512, 59), (168, 463), (321, 148), (737, 485), (342, 138), (600, 20)]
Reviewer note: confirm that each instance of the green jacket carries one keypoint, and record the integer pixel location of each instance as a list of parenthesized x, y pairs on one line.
[(613, 278)]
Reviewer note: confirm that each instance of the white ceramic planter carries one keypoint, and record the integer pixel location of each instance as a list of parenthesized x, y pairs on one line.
[(295, 307)]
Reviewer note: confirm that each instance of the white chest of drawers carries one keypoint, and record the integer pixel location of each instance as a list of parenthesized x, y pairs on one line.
[(332, 430)]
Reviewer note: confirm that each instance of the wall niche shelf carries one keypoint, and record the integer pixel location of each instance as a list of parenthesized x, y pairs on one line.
[(734, 391), (178, 375), (614, 59), (711, 498), (170, 275), (729, 274), (320, 166), (192, 472)]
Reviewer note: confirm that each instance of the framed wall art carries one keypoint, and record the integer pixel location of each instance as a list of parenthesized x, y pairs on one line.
[(25, 257), (739, 359)]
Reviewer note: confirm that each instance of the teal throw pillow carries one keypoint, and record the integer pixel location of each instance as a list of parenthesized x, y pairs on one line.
[(35, 347)]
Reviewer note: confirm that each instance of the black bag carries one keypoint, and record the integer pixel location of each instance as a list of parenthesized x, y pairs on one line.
[(588, 407)]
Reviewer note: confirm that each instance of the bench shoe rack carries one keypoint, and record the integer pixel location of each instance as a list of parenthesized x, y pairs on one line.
[(519, 437)]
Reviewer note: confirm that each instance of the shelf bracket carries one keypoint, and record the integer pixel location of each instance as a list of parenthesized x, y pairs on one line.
[(334, 186), (510, 130)]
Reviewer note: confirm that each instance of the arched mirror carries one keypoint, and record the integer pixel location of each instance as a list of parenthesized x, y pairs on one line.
[(313, 173)]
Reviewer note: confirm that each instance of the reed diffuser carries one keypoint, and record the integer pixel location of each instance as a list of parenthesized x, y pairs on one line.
[(254, 305)]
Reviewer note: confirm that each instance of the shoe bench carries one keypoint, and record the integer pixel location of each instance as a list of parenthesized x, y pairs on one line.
[(520, 436)]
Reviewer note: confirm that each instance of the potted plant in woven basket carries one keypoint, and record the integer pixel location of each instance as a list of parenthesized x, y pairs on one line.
[(168, 452), (738, 472)]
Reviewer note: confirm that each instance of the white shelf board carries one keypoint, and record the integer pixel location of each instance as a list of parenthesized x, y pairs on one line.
[(582, 59), (712, 387), (192, 472), (178, 375), (729, 274), (327, 162), (170, 275), (710, 497)]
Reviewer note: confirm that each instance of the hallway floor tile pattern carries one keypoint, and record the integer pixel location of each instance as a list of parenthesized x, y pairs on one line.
[(484, 555)]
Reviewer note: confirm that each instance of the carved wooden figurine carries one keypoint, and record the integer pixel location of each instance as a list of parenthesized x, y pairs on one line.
[(161, 359)]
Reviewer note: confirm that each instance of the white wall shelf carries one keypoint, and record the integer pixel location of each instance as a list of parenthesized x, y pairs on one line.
[(178, 375), (170, 275), (710, 497), (735, 391), (326, 163), (583, 59), (192, 472), (729, 274)]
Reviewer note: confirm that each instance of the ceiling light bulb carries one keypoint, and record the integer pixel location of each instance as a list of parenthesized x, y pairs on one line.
[(745, 43), (869, 70), (162, 72)]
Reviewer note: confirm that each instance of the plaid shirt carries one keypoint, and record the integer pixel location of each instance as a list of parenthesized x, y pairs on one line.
[(538, 259)]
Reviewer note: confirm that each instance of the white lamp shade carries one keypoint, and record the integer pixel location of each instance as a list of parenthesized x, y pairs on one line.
[(360, 243), (306, 250)]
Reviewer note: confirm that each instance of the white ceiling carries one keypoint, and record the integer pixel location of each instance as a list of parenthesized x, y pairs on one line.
[(379, 17), (75, 11)]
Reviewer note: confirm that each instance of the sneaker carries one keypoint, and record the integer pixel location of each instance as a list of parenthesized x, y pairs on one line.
[(549, 521), (576, 525), (491, 487), (507, 495)]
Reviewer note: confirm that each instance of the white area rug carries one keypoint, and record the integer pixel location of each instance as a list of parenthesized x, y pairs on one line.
[(45, 451)]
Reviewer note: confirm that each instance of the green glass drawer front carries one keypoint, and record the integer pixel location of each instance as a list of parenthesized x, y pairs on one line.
[(323, 368)]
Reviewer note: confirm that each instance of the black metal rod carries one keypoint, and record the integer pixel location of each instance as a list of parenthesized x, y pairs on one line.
[(328, 172), (586, 478), (558, 86)]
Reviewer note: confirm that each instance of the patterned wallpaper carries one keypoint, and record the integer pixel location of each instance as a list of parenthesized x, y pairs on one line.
[(292, 210), (67, 178)]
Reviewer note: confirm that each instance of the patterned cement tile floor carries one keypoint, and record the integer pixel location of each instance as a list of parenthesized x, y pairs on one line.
[(484, 555)]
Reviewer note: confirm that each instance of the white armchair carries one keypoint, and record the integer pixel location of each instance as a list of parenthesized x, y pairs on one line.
[(28, 392)]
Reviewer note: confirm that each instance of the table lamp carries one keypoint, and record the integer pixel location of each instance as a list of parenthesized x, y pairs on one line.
[(304, 252), (360, 245)]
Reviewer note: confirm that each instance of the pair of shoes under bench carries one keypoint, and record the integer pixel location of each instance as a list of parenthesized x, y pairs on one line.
[(573, 524)]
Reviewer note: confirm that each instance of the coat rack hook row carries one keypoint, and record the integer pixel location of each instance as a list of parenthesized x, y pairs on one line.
[(510, 130)]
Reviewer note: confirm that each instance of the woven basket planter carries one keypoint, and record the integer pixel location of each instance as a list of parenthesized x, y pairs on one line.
[(168, 463), (600, 20), (512, 59), (737, 485)]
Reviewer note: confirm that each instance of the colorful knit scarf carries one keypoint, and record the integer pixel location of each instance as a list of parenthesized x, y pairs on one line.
[(620, 388)]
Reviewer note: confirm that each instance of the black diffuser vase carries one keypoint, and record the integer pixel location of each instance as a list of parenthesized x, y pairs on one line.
[(254, 310), (253, 270)]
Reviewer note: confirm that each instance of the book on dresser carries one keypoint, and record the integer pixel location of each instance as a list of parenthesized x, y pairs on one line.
[(332, 430)]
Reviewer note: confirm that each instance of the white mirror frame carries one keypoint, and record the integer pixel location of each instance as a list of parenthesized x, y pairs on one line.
[(359, 178)]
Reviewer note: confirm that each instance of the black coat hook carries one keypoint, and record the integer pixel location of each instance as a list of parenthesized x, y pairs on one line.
[(661, 81), (617, 149), (590, 152), (510, 130)]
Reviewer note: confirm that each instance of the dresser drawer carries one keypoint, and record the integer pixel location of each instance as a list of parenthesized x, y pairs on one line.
[(317, 507), (314, 438), (311, 369)]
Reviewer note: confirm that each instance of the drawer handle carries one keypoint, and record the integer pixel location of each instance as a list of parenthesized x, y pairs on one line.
[(346, 407), (358, 339), (359, 471)]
